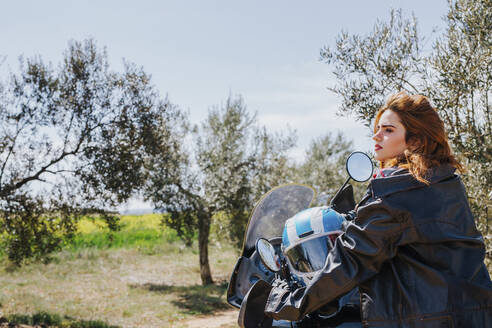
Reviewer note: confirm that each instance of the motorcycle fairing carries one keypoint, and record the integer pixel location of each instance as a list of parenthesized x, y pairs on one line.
[(246, 273), (251, 314), (267, 221)]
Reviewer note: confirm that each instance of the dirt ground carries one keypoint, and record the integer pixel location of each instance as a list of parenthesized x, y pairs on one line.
[(226, 319)]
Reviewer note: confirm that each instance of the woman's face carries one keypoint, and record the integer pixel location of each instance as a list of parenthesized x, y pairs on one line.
[(389, 137)]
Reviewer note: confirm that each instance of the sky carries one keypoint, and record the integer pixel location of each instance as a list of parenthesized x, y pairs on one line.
[(201, 51)]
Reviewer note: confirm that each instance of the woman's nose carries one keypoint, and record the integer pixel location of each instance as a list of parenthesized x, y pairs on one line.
[(376, 137)]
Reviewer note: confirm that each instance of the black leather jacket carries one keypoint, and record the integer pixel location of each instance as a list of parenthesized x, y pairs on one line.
[(415, 255)]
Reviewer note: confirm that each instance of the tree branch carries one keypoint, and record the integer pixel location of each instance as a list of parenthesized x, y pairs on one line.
[(6, 190), (11, 150)]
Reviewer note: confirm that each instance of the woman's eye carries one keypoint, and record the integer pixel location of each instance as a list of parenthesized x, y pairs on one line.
[(388, 130)]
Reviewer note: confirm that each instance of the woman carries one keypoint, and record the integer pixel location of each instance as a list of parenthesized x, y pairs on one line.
[(413, 249)]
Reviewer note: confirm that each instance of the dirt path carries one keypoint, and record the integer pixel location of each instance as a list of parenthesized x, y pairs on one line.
[(226, 319)]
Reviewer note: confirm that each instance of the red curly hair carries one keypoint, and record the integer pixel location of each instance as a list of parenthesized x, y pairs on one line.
[(425, 136)]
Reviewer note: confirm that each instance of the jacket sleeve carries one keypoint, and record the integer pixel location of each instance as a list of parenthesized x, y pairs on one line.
[(358, 254)]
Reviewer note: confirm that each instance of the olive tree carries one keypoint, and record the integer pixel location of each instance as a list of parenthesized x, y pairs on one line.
[(73, 140), (324, 166), (229, 161), (456, 74)]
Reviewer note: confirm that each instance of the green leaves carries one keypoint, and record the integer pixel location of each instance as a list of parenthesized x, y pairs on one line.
[(369, 67), (75, 138), (231, 163)]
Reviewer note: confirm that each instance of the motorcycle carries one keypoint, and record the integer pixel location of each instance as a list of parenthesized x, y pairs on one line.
[(262, 259)]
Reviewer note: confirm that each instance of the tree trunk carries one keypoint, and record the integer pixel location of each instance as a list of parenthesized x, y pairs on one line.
[(203, 234)]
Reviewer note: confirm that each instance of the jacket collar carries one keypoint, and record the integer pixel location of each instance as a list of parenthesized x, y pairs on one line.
[(402, 180)]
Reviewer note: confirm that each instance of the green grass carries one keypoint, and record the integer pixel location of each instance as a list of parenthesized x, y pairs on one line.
[(142, 276), (54, 320), (117, 287), (141, 232)]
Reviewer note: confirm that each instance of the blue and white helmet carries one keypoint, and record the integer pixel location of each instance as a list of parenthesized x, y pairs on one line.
[(308, 236)]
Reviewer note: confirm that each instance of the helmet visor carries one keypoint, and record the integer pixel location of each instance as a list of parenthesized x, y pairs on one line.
[(310, 255)]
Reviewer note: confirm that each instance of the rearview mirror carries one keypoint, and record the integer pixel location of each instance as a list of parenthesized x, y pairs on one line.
[(267, 254), (359, 166)]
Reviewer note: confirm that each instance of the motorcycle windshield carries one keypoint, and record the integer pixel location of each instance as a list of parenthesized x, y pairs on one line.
[(273, 209)]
